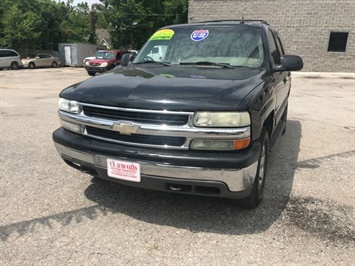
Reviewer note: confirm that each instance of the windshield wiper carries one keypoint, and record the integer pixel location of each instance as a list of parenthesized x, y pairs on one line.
[(153, 62), (207, 63)]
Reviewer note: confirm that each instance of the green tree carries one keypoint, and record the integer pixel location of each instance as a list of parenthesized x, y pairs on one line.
[(43, 24), (20, 30), (133, 21)]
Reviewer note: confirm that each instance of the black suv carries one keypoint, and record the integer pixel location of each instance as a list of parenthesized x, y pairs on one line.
[(198, 121)]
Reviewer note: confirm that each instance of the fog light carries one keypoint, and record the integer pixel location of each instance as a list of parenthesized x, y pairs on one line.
[(220, 145), (71, 126)]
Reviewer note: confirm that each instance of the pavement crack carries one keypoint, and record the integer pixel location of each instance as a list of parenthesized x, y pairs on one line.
[(315, 163), (326, 219)]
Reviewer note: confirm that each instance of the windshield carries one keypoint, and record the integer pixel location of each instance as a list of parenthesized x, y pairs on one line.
[(105, 55), (236, 45)]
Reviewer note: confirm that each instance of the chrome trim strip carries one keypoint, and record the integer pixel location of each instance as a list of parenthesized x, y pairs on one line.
[(184, 147), (136, 110), (161, 130), (235, 179)]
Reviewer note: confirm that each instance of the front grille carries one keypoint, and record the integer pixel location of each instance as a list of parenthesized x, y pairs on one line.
[(142, 117), (136, 138)]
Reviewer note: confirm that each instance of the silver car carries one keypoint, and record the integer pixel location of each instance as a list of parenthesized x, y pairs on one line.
[(41, 60), (10, 59)]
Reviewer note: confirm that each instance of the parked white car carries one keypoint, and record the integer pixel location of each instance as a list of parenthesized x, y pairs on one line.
[(10, 59), (86, 59), (157, 53)]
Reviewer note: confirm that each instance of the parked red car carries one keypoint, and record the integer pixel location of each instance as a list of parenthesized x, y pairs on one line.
[(104, 60)]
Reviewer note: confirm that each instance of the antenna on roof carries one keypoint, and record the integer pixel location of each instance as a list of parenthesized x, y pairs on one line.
[(242, 22)]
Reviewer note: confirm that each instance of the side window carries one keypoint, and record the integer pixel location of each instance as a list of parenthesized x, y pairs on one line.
[(7, 53), (2, 53), (12, 53), (275, 53), (280, 46), (119, 56), (155, 50)]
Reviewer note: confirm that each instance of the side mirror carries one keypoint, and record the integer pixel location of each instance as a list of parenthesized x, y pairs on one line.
[(290, 63), (127, 59)]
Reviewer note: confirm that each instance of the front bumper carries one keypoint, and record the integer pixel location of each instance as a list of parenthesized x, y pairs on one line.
[(219, 174), (96, 69)]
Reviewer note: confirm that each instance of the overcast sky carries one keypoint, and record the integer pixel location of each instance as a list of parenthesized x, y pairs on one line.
[(90, 2)]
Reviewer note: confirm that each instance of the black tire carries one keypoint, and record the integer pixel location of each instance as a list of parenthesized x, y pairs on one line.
[(14, 66), (54, 64), (31, 65), (284, 118), (90, 73), (257, 193)]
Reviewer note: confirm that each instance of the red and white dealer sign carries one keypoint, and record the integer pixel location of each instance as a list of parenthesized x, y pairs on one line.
[(124, 170)]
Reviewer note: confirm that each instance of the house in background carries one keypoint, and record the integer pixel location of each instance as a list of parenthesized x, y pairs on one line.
[(104, 38), (322, 31)]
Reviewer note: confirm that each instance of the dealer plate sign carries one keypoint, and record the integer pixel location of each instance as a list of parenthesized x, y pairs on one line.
[(124, 170)]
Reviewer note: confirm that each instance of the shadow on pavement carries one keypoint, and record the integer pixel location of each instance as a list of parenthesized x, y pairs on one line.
[(197, 214), (204, 214)]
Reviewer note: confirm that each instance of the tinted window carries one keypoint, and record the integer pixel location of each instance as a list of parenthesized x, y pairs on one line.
[(280, 46), (275, 53), (12, 53), (44, 56), (7, 53), (105, 55), (235, 45)]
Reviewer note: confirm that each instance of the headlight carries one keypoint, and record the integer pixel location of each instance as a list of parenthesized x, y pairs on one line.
[(69, 106), (104, 64), (221, 119), (71, 126), (87, 63)]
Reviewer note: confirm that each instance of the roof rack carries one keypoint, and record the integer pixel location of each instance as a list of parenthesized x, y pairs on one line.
[(236, 20)]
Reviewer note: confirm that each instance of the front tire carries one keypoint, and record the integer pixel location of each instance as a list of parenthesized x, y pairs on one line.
[(14, 66), (257, 193), (31, 65), (90, 73)]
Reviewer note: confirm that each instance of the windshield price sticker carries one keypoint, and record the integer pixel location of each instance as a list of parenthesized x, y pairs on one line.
[(199, 35), (162, 35), (124, 170)]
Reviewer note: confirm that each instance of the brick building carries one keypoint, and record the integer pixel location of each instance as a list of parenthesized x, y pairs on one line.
[(321, 31)]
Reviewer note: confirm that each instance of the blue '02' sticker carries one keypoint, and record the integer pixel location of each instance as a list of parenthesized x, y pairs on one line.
[(199, 35)]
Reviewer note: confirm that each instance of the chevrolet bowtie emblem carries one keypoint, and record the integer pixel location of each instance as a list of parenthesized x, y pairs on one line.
[(125, 128)]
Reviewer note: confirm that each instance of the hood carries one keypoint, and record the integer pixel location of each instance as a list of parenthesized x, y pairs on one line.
[(174, 88), (96, 61)]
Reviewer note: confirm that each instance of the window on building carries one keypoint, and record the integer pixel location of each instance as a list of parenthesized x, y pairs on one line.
[(338, 41)]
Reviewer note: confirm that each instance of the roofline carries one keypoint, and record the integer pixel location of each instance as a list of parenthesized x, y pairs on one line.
[(258, 23), (240, 21)]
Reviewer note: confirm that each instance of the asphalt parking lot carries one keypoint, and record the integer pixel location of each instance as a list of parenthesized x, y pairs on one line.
[(52, 214)]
